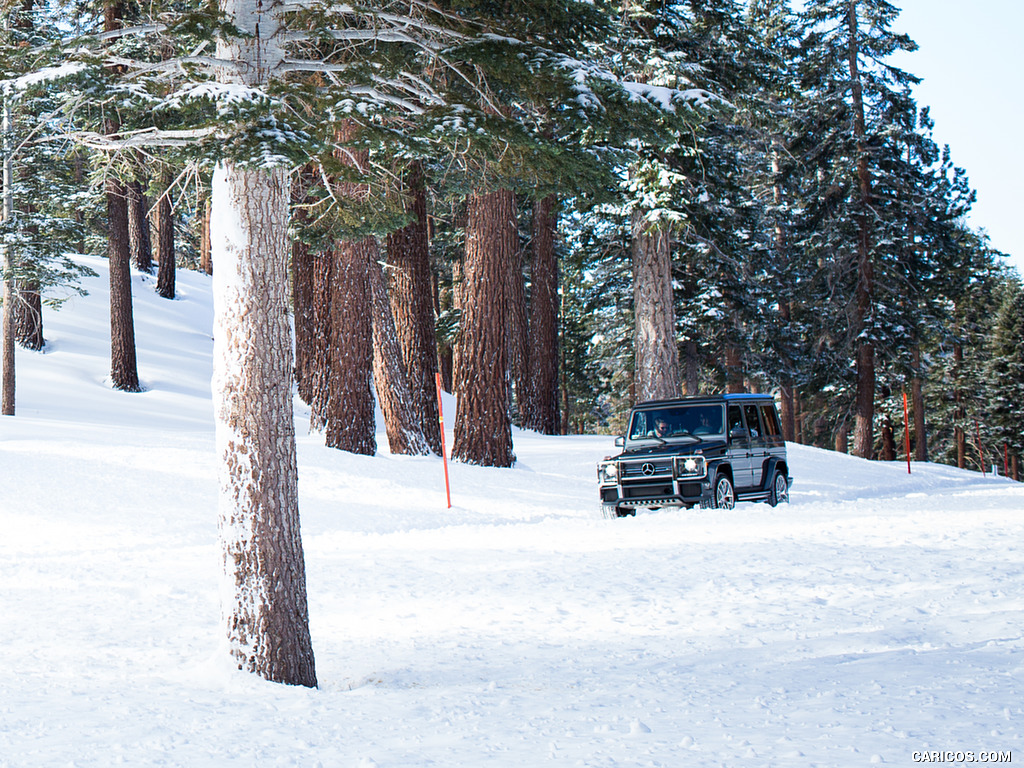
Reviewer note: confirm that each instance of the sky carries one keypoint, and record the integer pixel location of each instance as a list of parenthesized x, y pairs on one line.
[(971, 60)]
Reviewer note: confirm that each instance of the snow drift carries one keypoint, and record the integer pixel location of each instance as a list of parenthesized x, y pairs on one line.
[(876, 616)]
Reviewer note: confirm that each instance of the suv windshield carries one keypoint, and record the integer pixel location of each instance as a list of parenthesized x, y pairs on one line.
[(678, 421)]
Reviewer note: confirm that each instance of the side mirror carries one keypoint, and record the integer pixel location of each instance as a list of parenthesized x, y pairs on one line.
[(620, 441), (739, 433)]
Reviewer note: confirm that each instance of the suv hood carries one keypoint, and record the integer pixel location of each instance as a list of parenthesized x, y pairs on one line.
[(688, 448)]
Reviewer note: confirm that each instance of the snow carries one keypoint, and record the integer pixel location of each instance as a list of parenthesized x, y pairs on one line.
[(876, 616)]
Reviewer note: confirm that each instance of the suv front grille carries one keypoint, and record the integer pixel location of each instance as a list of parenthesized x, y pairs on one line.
[(638, 470)]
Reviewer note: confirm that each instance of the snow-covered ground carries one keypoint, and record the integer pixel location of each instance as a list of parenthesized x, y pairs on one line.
[(876, 616)]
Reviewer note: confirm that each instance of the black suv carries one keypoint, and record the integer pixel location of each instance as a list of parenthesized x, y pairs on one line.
[(710, 450)]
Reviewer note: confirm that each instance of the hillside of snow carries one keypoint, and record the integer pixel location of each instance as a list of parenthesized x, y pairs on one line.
[(877, 616)]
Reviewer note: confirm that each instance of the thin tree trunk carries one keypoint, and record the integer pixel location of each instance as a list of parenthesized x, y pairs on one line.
[(863, 443), (124, 373), (657, 356), (7, 395), (138, 227), (394, 394), (166, 277), (691, 365), (318, 365), (483, 428), (412, 292), (917, 396), (265, 610), (302, 295), (959, 412), (888, 440), (842, 441), (518, 329), (205, 254), (542, 402)]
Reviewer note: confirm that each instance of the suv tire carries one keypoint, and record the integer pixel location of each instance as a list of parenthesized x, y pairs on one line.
[(724, 495), (779, 490)]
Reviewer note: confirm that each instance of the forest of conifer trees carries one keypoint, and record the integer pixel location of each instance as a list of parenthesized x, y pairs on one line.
[(560, 208)]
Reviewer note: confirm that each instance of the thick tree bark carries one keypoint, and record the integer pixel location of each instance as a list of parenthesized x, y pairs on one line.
[(542, 413), (264, 596), (483, 428), (394, 394), (863, 442), (656, 373), (351, 425), (412, 304), (166, 276), (265, 609), (124, 373), (138, 227)]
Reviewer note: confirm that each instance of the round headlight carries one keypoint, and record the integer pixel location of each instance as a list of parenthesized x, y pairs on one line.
[(611, 470), (690, 465)]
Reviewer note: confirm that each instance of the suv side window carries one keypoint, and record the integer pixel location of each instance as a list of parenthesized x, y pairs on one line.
[(753, 423), (770, 419), (735, 418)]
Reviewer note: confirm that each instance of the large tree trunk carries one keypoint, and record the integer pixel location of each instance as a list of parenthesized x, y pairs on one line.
[(124, 373), (138, 227), (7, 390), (264, 597), (167, 270), (394, 394), (542, 414), (657, 357), (483, 428), (412, 305), (863, 440), (351, 425), (265, 610)]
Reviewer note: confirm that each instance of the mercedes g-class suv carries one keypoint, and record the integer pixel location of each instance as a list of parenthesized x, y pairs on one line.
[(711, 450)]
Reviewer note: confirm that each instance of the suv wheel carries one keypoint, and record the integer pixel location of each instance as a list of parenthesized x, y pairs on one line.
[(779, 492), (724, 495)]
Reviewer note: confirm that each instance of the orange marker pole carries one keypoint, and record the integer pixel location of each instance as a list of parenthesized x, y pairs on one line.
[(444, 453), (906, 428)]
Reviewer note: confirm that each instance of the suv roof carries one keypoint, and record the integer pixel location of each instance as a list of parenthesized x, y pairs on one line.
[(722, 398)]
